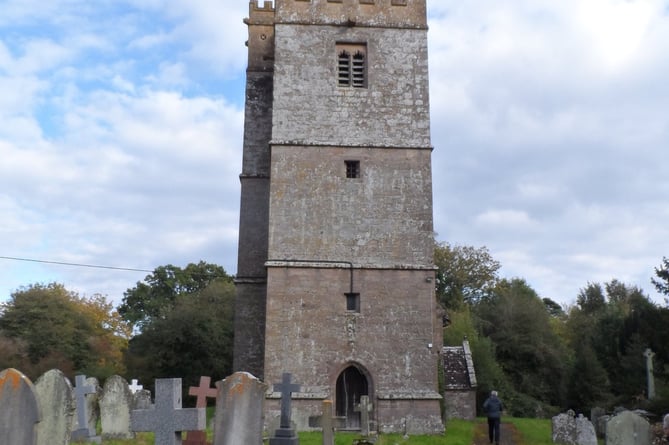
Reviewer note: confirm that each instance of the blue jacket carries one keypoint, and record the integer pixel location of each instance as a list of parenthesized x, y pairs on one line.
[(493, 407)]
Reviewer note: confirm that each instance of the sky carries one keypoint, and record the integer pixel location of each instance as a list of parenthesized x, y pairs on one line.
[(121, 134)]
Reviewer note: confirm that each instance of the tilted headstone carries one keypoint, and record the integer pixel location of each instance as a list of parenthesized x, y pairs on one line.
[(56, 402), (167, 419), (141, 399), (239, 410), (285, 434), (364, 408), (627, 428), (135, 386), (115, 404), (19, 410), (564, 429), (202, 393), (82, 429)]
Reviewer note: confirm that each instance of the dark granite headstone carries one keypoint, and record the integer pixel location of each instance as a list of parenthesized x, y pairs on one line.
[(285, 434)]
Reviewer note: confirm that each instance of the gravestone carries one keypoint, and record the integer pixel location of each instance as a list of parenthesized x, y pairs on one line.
[(115, 406), (201, 392), (564, 428), (56, 402), (595, 414), (364, 408), (239, 410), (135, 386), (19, 410), (627, 428), (141, 399), (585, 431), (650, 377), (82, 429), (166, 418), (285, 434), (326, 420)]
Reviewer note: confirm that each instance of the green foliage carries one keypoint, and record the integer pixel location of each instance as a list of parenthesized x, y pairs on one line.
[(47, 326), (662, 274), (465, 274), (191, 340), (154, 298)]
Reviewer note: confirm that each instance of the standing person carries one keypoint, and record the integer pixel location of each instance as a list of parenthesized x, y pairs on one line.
[(493, 409)]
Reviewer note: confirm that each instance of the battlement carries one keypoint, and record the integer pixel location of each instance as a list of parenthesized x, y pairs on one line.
[(381, 13), (260, 14)]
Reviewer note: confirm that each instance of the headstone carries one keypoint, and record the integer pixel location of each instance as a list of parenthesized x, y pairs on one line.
[(585, 431), (166, 418), (665, 425), (595, 414), (115, 406), (627, 428), (56, 402), (141, 399), (82, 429), (649, 371), (328, 428), (201, 392), (239, 410), (135, 386), (285, 434), (564, 429), (364, 408), (19, 410)]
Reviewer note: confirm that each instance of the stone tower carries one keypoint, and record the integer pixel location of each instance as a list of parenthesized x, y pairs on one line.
[(336, 274)]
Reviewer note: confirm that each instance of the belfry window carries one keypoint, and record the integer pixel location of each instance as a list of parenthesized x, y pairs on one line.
[(352, 65), (352, 169), (353, 302)]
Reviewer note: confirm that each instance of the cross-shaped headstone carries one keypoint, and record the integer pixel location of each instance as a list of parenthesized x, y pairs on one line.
[(166, 417), (135, 386), (326, 420), (80, 390), (285, 435), (364, 408), (202, 392), (649, 354)]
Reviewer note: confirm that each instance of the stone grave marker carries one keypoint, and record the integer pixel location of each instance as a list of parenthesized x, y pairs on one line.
[(627, 428), (595, 414), (285, 434), (585, 431), (19, 410), (135, 386), (56, 402), (82, 429), (239, 410), (665, 425), (326, 420), (564, 428), (202, 393), (141, 399), (167, 419), (364, 408), (115, 406)]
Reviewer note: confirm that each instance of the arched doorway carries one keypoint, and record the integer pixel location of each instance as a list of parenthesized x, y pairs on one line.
[(351, 384)]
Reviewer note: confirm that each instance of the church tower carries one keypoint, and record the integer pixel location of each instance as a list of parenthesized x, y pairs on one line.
[(336, 273)]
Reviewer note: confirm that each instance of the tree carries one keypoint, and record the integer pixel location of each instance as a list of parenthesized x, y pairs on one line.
[(156, 297), (591, 298), (465, 274), (191, 340), (47, 326), (662, 273)]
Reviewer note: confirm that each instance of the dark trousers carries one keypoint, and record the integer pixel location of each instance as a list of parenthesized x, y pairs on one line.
[(493, 429)]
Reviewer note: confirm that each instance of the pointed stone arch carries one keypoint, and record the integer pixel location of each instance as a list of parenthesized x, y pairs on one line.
[(352, 382)]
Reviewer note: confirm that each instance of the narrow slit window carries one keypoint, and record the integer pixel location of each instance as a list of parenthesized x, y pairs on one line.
[(352, 169), (353, 302), (352, 65)]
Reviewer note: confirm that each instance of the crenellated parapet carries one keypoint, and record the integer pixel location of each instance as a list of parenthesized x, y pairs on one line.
[(261, 36), (386, 13)]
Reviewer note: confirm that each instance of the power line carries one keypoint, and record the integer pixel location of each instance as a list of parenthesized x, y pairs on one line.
[(63, 263)]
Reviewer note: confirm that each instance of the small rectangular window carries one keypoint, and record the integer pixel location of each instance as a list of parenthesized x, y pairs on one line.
[(352, 65), (352, 169), (353, 302)]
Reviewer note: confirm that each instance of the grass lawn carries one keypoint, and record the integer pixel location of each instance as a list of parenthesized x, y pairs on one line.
[(458, 432)]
